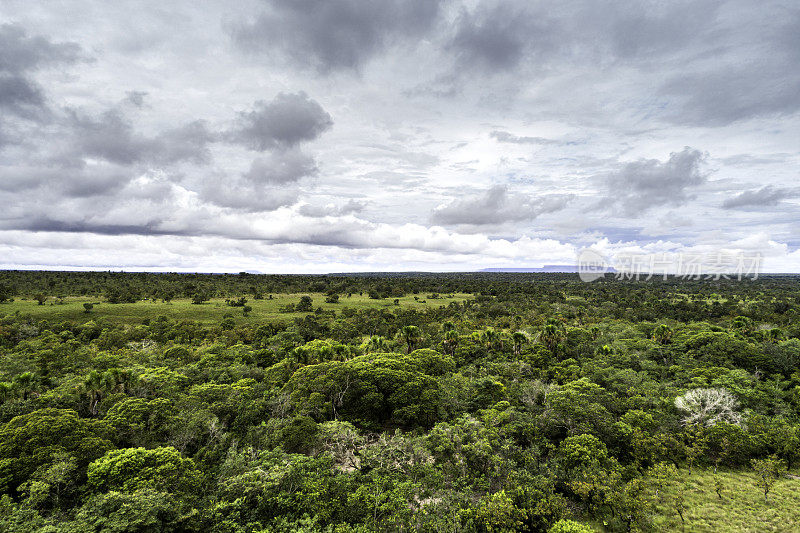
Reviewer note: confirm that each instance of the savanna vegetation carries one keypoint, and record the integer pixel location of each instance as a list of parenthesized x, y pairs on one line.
[(240, 403)]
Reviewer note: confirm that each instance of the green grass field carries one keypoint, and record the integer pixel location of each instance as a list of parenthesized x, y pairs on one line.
[(741, 509), (211, 311)]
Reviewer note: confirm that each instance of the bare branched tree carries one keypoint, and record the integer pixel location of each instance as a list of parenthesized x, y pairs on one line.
[(709, 407)]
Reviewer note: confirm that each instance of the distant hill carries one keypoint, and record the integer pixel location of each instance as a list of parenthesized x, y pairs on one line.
[(545, 268)]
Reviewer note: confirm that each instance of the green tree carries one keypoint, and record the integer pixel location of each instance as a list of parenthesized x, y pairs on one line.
[(743, 324), (373, 388), (199, 297), (491, 338), (498, 514), (588, 470), (661, 474), (132, 469), (391, 468), (262, 486), (305, 305), (140, 422), (569, 526), (141, 510), (5, 293), (719, 485), (342, 440), (580, 407), (633, 505), (768, 470), (50, 483), (679, 502), (30, 441)]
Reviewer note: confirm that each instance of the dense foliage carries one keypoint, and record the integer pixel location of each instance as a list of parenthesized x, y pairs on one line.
[(539, 404)]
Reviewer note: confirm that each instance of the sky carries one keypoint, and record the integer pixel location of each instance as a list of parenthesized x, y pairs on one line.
[(313, 136)]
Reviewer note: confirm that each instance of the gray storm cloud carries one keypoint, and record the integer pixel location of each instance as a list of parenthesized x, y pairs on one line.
[(281, 168), (289, 119), (496, 206), (648, 183), (329, 36), (497, 36), (21, 55), (111, 136), (764, 197), (21, 52)]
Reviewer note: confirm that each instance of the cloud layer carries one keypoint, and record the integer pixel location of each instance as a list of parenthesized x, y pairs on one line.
[(307, 135)]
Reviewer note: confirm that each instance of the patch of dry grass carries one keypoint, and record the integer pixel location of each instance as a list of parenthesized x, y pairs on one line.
[(741, 508)]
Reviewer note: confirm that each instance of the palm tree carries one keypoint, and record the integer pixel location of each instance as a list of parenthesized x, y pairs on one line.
[(450, 342), (125, 379), (376, 343), (5, 390), (95, 386), (25, 382), (662, 334), (519, 338), (115, 378), (605, 350), (743, 324), (490, 338), (411, 336), (551, 336), (774, 335)]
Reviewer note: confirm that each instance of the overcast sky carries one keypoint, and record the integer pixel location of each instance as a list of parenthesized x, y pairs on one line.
[(364, 135)]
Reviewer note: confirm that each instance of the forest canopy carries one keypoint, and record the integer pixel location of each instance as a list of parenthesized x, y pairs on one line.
[(426, 402)]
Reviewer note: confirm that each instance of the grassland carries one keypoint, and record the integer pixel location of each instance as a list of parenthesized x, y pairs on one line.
[(212, 311), (741, 508)]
